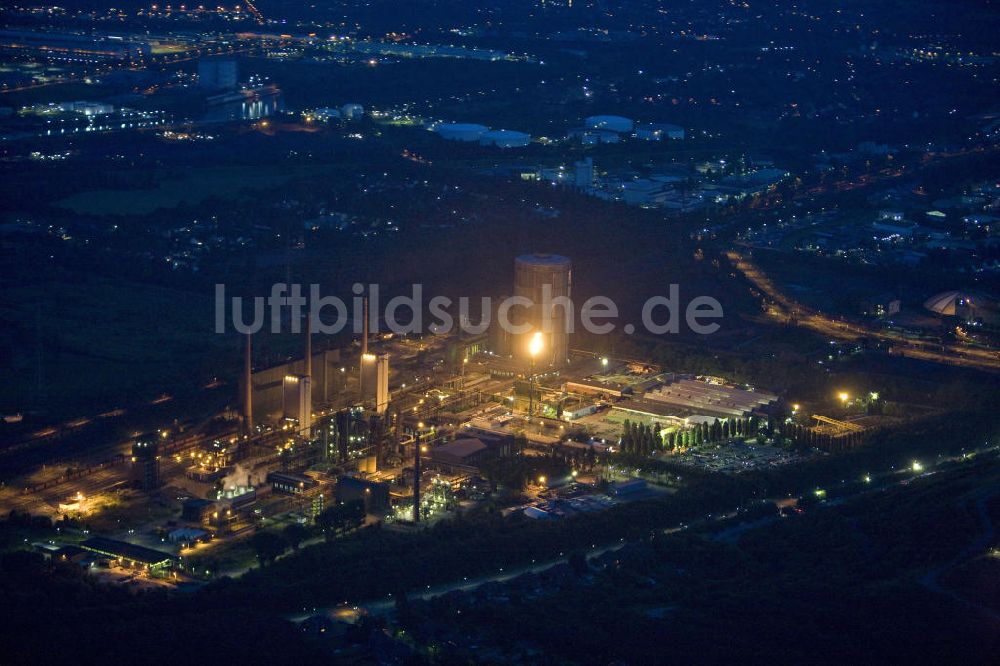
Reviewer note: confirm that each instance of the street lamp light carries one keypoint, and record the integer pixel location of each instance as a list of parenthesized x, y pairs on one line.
[(534, 348)]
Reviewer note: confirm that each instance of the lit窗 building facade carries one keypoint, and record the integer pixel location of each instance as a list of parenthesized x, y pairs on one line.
[(546, 280)]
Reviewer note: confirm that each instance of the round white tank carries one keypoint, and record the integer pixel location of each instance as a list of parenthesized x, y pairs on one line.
[(505, 139), (461, 131)]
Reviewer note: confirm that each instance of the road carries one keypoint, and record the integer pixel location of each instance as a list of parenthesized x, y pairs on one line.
[(386, 604), (790, 311)]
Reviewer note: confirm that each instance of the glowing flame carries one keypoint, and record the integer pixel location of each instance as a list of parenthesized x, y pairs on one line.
[(535, 346)]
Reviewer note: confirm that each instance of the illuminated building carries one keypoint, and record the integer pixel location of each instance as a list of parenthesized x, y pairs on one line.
[(145, 472), (375, 381), (71, 47), (289, 483), (348, 433), (382, 383), (316, 505), (268, 397), (154, 562), (298, 401), (545, 280)]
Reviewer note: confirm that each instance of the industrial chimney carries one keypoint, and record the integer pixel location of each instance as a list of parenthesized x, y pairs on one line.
[(248, 386)]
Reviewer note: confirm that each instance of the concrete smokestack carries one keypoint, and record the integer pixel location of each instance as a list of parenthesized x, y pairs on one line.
[(364, 334), (248, 386), (364, 350), (309, 346)]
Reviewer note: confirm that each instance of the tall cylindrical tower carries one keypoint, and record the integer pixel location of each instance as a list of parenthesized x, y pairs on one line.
[(546, 280)]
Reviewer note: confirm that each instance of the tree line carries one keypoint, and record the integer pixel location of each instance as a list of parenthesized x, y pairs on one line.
[(644, 440)]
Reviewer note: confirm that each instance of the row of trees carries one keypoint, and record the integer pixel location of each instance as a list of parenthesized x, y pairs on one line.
[(641, 439), (806, 437)]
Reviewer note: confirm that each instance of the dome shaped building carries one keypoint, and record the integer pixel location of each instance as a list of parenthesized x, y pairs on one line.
[(967, 305), (461, 131), (505, 139)]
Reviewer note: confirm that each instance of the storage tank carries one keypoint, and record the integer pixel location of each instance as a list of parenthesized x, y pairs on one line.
[(613, 123), (505, 139), (461, 131), (532, 272)]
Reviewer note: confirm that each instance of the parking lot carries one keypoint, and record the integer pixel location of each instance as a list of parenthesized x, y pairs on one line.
[(735, 457)]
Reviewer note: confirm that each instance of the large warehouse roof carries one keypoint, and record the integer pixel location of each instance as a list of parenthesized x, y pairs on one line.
[(128, 551), (701, 397)]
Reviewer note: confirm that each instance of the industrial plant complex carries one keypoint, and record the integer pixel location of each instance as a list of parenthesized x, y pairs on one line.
[(536, 332), (407, 427)]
